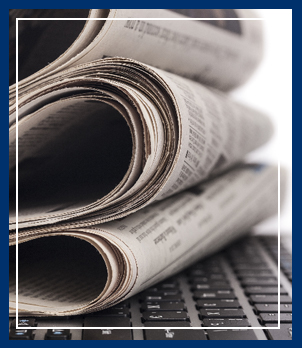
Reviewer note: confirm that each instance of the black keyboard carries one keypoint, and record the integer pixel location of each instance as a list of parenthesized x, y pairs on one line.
[(223, 296)]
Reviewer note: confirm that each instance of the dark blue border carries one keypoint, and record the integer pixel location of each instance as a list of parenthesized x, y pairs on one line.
[(150, 4), (4, 147)]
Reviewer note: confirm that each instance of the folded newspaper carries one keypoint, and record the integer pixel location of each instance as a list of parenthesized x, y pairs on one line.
[(221, 53), (101, 133), (90, 268), (102, 140)]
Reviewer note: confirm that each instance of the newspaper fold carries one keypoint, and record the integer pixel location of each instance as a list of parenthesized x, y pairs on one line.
[(221, 53), (102, 140), (86, 269)]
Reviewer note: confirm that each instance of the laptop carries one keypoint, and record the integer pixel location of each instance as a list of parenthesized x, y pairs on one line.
[(231, 295)]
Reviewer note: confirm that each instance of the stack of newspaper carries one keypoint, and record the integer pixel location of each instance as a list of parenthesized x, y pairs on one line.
[(126, 152)]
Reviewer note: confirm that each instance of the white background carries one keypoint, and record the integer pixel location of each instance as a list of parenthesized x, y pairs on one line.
[(270, 90)]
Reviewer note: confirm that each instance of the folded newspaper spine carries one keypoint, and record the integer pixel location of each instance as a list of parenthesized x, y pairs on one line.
[(221, 53), (104, 264), (102, 140)]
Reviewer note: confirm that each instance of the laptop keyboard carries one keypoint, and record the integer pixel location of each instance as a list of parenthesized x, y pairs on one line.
[(228, 294)]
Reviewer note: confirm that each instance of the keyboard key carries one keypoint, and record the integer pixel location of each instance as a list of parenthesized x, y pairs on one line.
[(112, 312), (169, 285), (213, 269), (205, 280), (224, 303), (21, 334), (197, 272), (217, 276), (54, 322), (231, 335), (284, 333), (251, 290), (199, 280), (244, 258), (258, 273), (238, 322), (205, 277), (250, 266), (273, 308), (107, 322), (222, 313), (121, 306), (167, 324), (163, 306), (250, 281), (107, 334), (270, 299), (165, 316), (222, 286), (239, 259), (169, 292), (211, 261), (199, 294), (161, 296), (24, 322), (58, 334), (273, 317), (242, 255), (174, 334)]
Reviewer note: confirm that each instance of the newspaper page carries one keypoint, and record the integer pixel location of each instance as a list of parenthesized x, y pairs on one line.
[(221, 53), (105, 139), (128, 255)]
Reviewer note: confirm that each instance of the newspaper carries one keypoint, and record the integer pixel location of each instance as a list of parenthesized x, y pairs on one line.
[(107, 263), (220, 53), (102, 140)]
